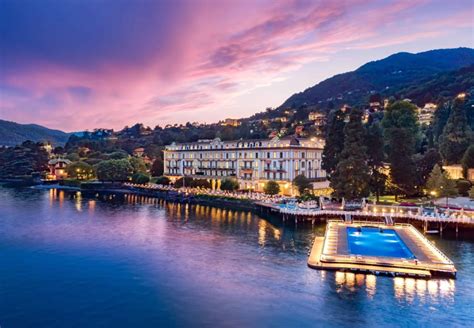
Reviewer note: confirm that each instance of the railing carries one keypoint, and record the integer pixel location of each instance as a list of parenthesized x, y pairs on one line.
[(386, 261), (410, 215)]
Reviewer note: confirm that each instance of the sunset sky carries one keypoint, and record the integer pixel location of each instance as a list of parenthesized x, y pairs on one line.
[(75, 65)]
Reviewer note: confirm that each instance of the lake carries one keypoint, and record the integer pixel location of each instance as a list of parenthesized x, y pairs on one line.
[(72, 261)]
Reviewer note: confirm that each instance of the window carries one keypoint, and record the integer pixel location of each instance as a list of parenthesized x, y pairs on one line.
[(268, 154), (256, 155), (302, 155), (281, 154)]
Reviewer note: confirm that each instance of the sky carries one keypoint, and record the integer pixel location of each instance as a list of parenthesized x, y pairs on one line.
[(85, 64)]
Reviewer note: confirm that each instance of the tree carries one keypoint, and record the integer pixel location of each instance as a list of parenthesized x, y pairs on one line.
[(400, 135), (80, 171), (25, 159), (138, 165), (457, 134), (471, 192), (140, 178), (424, 165), (467, 160), (463, 187), (351, 177), (375, 158), (162, 180), (441, 116), (114, 170), (73, 157), (439, 184), (303, 184), (58, 150), (118, 155), (229, 184), (271, 188), (334, 141), (157, 168)]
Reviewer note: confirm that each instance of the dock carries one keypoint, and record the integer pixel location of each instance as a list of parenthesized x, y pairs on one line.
[(459, 222), (331, 253)]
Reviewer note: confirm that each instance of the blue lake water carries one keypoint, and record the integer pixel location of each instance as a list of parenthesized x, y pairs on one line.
[(370, 241), (71, 261)]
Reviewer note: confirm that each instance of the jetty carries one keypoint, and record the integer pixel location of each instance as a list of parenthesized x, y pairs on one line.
[(429, 220), (332, 252)]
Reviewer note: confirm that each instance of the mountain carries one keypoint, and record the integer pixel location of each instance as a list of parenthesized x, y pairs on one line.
[(12, 134), (443, 85), (386, 76)]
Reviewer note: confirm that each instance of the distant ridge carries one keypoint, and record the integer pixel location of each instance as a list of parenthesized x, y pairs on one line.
[(12, 134), (385, 76)]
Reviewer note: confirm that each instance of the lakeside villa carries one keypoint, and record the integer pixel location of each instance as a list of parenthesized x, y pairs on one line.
[(251, 162)]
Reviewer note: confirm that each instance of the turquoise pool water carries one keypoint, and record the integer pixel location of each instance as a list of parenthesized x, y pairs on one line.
[(371, 241)]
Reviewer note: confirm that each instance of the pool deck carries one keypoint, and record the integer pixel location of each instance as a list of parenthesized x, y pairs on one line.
[(331, 253)]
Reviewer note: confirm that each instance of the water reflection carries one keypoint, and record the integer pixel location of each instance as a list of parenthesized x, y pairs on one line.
[(216, 218), (268, 236), (405, 289)]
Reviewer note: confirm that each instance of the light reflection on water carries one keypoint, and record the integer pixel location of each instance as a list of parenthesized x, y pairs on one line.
[(227, 266), (404, 288)]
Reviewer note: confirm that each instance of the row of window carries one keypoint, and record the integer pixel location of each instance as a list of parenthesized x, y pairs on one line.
[(246, 164), (245, 155)]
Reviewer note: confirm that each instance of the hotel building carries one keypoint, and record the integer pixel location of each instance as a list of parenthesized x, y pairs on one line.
[(251, 162)]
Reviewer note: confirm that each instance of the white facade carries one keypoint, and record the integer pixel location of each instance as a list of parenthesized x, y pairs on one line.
[(251, 162)]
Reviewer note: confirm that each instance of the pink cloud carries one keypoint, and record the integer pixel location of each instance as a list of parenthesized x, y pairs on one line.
[(220, 51)]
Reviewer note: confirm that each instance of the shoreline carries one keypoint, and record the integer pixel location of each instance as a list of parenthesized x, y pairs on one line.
[(446, 228)]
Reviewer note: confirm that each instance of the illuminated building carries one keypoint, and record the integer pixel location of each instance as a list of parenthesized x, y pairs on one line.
[(251, 162), (57, 168)]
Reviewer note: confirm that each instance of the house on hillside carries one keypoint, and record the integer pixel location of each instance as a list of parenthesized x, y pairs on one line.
[(57, 168), (230, 122), (318, 118), (426, 114), (455, 172)]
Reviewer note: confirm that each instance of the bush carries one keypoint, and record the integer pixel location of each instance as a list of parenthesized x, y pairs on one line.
[(229, 184), (140, 178), (201, 183), (162, 180), (193, 183), (463, 187), (306, 197), (186, 182), (272, 188), (471, 193)]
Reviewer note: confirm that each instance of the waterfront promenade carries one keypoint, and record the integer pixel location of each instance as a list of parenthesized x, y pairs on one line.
[(290, 210)]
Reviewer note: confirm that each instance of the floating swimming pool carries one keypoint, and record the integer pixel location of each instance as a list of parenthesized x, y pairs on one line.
[(371, 241)]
